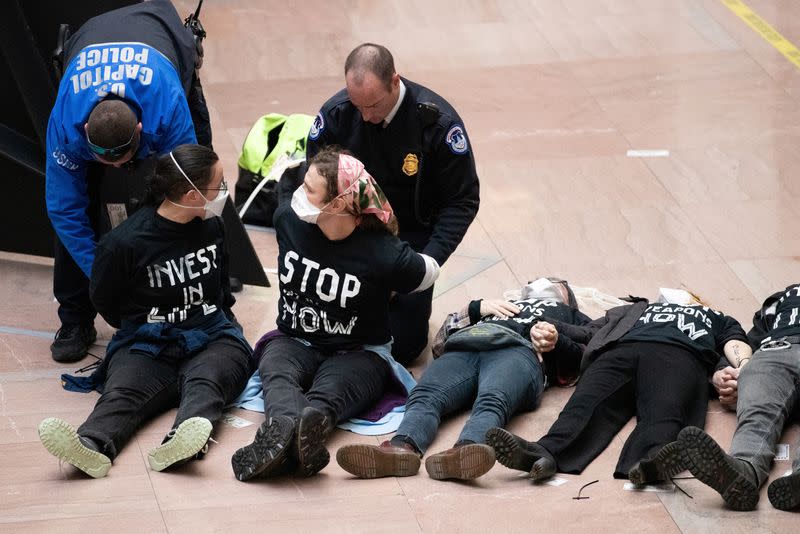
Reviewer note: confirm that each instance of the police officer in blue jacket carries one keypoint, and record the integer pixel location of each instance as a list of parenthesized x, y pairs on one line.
[(122, 96), (415, 145)]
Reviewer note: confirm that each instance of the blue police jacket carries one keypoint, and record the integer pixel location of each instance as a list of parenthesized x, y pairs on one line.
[(143, 77)]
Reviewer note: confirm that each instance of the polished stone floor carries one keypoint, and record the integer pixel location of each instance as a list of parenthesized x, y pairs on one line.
[(554, 95)]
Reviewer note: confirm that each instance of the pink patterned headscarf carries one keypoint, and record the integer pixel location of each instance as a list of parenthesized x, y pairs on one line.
[(361, 190)]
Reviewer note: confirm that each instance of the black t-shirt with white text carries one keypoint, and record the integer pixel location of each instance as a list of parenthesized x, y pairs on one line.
[(335, 294), (150, 269), (532, 311), (697, 328), (787, 314)]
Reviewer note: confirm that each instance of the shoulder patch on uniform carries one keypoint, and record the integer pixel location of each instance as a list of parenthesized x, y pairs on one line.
[(456, 140), (63, 160), (316, 127)]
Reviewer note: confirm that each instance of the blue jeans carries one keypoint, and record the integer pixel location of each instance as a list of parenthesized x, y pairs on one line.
[(769, 387), (498, 383)]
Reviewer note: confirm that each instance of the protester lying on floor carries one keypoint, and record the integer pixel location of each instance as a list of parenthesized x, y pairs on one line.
[(768, 391), (496, 356), (648, 360)]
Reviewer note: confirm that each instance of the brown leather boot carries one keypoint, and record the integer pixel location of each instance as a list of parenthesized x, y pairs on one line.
[(460, 463), (373, 461)]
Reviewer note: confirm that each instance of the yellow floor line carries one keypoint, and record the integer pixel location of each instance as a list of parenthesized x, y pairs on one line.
[(763, 28)]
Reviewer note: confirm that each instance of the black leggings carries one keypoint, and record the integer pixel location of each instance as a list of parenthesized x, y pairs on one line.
[(665, 386), (139, 387)]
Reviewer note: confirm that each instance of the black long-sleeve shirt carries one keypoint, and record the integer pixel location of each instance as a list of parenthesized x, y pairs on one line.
[(697, 328), (335, 294), (150, 270), (779, 316)]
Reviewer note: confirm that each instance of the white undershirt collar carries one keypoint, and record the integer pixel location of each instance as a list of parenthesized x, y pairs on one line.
[(392, 113)]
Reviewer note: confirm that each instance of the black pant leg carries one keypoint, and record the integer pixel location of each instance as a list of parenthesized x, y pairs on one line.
[(199, 111), (212, 379), (348, 384), (602, 403), (287, 369), (70, 283), (671, 393), (71, 288), (408, 319), (137, 388)]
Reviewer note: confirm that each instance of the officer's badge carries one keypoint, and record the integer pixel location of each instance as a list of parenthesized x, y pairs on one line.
[(456, 140), (410, 164), (316, 127)]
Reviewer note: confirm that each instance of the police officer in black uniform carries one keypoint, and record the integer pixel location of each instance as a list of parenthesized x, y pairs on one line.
[(415, 145)]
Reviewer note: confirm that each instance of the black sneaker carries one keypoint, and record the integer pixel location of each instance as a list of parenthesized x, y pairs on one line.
[(267, 455), (668, 462), (72, 342), (731, 477), (310, 451), (784, 492)]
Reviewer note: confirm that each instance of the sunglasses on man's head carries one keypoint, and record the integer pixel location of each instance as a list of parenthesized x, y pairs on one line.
[(111, 153)]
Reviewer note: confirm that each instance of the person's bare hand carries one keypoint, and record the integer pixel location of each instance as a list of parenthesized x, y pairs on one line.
[(498, 307), (726, 382), (544, 337)]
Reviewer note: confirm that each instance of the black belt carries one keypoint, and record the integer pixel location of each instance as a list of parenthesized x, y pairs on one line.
[(783, 343)]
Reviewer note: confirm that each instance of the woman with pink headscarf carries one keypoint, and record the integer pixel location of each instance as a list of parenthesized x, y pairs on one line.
[(339, 261)]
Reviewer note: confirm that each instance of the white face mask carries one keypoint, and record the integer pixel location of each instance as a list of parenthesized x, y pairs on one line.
[(213, 208), (303, 207)]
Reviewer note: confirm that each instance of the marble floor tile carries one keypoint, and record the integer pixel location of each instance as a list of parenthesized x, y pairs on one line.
[(132, 522), (749, 229), (36, 487), (343, 514), (553, 95), (763, 277)]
